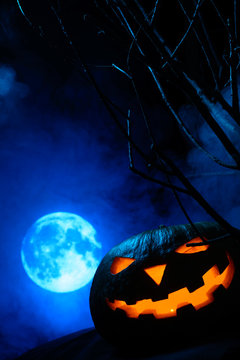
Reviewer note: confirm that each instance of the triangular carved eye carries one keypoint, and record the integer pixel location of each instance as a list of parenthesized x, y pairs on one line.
[(156, 272), (183, 249), (120, 263)]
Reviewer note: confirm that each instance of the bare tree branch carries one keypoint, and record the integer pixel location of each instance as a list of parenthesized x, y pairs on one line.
[(191, 23)]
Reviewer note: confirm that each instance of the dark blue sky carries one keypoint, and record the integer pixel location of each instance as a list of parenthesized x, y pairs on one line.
[(60, 151)]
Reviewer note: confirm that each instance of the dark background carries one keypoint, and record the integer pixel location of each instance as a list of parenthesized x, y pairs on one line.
[(60, 151)]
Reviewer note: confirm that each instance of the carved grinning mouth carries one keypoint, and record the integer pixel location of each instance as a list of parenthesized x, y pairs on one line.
[(168, 307)]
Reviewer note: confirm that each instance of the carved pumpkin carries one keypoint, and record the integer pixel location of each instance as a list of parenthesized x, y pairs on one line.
[(155, 284)]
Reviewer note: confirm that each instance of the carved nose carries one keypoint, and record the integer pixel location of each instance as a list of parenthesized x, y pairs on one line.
[(156, 272)]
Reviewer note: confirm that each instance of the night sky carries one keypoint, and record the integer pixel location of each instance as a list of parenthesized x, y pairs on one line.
[(61, 151)]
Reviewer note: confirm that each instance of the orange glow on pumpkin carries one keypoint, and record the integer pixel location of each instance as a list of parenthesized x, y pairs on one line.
[(183, 249), (177, 299), (119, 264)]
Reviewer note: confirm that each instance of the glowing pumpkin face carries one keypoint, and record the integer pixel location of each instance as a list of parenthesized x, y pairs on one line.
[(168, 307), (159, 276)]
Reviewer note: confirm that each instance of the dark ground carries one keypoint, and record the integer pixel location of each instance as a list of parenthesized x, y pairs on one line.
[(87, 344)]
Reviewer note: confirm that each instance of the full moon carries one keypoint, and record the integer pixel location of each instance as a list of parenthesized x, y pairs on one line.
[(60, 252)]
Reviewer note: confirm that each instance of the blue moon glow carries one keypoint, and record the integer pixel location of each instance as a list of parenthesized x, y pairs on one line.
[(60, 252)]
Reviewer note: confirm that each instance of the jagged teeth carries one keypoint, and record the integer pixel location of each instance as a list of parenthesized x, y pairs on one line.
[(194, 285)]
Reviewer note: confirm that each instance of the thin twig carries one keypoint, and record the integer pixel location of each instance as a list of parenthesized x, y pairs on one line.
[(140, 173), (145, 31), (23, 13), (211, 241), (202, 46), (129, 143), (38, 28), (235, 18), (208, 40), (154, 12), (130, 30), (219, 15), (157, 181), (182, 207), (122, 71), (188, 29), (173, 53), (147, 124), (160, 167)]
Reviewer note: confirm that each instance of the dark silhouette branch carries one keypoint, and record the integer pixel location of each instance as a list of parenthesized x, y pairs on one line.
[(190, 26)]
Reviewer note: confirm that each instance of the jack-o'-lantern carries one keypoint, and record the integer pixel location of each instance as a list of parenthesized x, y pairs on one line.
[(157, 283)]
